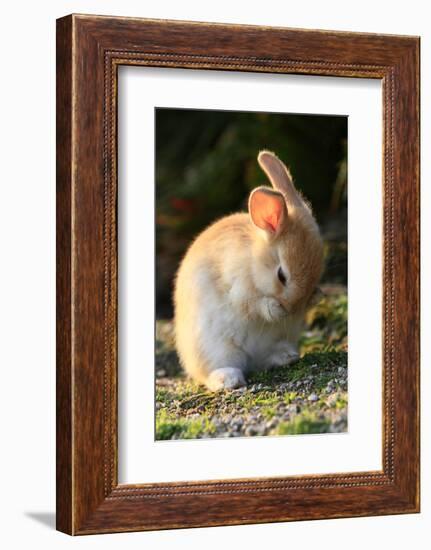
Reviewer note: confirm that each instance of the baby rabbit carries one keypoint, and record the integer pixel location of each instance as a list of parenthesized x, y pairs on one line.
[(245, 283)]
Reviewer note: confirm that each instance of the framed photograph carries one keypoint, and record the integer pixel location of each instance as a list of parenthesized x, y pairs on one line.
[(237, 274)]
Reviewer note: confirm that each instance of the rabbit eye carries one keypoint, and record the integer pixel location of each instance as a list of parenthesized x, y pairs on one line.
[(281, 276)]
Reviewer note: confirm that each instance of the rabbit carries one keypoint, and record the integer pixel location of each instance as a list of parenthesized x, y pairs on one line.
[(245, 283)]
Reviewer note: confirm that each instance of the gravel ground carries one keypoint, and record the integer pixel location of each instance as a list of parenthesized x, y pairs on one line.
[(308, 397)]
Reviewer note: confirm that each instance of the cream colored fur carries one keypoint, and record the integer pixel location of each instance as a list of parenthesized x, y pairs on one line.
[(232, 313)]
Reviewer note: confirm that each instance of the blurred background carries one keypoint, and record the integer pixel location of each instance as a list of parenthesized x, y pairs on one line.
[(206, 166)]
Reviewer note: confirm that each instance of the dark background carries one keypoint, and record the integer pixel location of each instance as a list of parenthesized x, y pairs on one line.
[(206, 166)]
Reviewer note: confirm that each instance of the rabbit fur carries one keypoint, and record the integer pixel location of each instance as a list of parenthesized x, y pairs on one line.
[(245, 283)]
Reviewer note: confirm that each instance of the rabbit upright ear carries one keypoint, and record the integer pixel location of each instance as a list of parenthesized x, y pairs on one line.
[(268, 210), (279, 177)]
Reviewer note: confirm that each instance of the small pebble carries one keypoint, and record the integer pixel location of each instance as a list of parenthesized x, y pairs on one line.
[(251, 430), (313, 397), (293, 408), (271, 424)]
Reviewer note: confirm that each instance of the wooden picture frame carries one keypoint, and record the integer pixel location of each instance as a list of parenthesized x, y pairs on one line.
[(89, 51)]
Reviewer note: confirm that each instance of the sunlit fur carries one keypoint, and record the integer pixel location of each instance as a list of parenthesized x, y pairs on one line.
[(232, 314)]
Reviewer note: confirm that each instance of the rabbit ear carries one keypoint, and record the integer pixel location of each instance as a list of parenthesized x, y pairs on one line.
[(267, 210), (279, 177)]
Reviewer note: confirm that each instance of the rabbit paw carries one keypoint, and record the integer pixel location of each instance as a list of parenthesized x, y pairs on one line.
[(272, 310), (282, 357), (227, 378)]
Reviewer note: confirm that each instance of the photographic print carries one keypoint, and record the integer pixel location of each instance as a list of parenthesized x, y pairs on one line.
[(251, 274), (202, 276)]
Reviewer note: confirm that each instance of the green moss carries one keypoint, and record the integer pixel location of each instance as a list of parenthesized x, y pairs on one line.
[(265, 401), (321, 365), (303, 424), (340, 403), (289, 397), (268, 413), (182, 392), (169, 427)]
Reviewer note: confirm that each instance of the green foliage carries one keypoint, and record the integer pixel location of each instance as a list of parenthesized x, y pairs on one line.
[(304, 424), (327, 324), (170, 427), (208, 158), (320, 365)]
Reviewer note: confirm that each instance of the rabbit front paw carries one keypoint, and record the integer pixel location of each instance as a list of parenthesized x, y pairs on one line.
[(227, 378), (272, 310), (283, 356)]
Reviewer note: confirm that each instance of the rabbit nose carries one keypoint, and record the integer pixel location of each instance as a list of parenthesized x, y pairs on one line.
[(282, 305), (285, 305)]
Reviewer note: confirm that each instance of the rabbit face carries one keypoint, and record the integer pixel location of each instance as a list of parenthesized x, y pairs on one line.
[(301, 263), (290, 268), (288, 250)]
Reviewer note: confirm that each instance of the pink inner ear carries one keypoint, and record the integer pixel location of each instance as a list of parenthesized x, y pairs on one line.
[(272, 222), (267, 210)]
